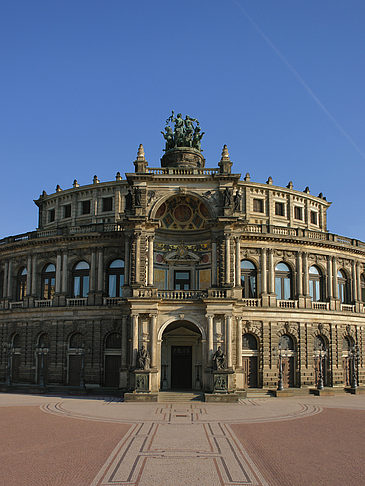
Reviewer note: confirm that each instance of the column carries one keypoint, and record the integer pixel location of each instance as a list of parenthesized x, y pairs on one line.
[(153, 337), (306, 274), (334, 278), (126, 259), (64, 273), (134, 338), (5, 281), (214, 263), (150, 260), (358, 282), (34, 276), (239, 342), (227, 260), (229, 340), (329, 277), (210, 318), (100, 270), (238, 262), (124, 342), (92, 270), (10, 280), (137, 257), (263, 271), (29, 276), (271, 273), (354, 281), (58, 273), (299, 274)]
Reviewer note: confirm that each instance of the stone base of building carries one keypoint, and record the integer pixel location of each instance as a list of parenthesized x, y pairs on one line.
[(222, 397), (140, 397), (325, 392), (359, 390)]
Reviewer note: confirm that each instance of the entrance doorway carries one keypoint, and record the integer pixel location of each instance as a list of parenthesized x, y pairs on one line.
[(250, 360), (181, 357), (181, 367)]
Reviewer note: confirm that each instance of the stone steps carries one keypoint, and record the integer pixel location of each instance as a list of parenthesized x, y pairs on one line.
[(258, 393), (176, 397)]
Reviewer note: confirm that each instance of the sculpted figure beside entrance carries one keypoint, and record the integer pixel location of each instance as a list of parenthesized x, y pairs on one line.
[(219, 359)]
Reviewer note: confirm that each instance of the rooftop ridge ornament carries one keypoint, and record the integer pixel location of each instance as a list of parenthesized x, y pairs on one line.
[(186, 133)]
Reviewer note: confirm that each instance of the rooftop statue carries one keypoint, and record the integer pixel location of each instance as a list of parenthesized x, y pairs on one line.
[(186, 132)]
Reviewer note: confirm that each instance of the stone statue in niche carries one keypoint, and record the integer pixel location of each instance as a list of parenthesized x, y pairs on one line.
[(226, 197), (129, 201), (219, 359), (137, 196), (237, 201), (143, 359)]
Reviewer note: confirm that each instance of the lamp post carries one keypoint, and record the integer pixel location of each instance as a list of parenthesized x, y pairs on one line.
[(320, 353), (42, 352), (279, 352), (354, 361), (9, 350)]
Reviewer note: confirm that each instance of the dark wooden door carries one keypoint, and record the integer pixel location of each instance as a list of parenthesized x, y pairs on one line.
[(250, 371), (181, 367), (15, 365), (288, 372), (39, 368), (74, 370), (112, 370)]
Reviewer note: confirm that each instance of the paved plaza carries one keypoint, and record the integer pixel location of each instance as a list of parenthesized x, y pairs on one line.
[(79, 441)]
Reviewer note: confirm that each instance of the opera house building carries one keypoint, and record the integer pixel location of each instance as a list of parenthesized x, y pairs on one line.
[(179, 276)]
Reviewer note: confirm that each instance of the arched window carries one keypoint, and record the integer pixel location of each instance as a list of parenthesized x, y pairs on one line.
[(15, 341), (347, 344), (81, 279), (115, 278), (21, 284), (43, 341), (362, 285), (75, 340), (319, 343), (113, 341), (286, 342), (343, 287), (283, 286), (315, 284), (249, 342), (48, 281), (248, 279)]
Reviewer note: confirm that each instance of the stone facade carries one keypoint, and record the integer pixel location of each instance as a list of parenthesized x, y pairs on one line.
[(181, 259)]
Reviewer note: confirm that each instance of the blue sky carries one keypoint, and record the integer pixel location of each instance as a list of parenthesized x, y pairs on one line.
[(281, 82)]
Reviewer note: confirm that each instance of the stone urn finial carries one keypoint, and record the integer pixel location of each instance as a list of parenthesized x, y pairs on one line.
[(140, 163), (225, 163), (140, 153)]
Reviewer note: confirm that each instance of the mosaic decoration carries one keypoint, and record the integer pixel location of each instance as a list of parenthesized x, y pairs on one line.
[(183, 213)]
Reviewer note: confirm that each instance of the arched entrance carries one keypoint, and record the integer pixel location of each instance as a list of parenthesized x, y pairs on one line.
[(250, 360), (181, 357), (288, 355), (112, 359)]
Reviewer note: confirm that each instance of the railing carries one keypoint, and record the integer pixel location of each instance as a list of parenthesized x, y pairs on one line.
[(287, 304), (181, 294), (217, 294), (113, 300), (347, 307), (181, 171), (43, 303), (320, 305), (251, 302), (249, 228), (16, 305), (81, 301)]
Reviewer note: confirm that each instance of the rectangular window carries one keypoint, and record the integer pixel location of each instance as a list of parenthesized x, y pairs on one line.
[(85, 207), (314, 217), (107, 204), (279, 209), (298, 212), (258, 205), (51, 215), (67, 211), (182, 280)]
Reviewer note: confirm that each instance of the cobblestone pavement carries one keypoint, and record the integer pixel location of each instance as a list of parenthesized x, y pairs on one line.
[(304, 441)]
